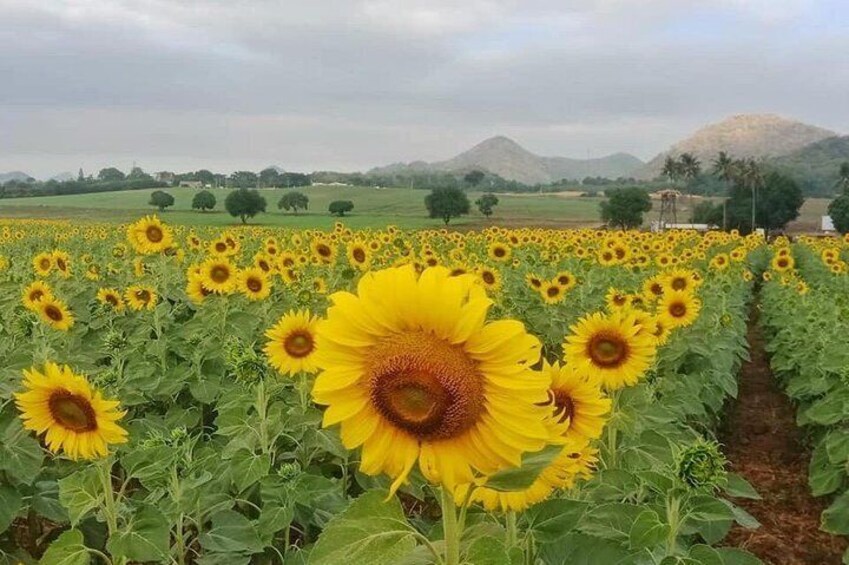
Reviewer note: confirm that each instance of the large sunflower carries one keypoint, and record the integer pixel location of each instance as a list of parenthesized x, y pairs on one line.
[(149, 235), (678, 309), (43, 264), (73, 416), (219, 275), (611, 348), (112, 298), (254, 283), (55, 313), (413, 372), (291, 343), (141, 297)]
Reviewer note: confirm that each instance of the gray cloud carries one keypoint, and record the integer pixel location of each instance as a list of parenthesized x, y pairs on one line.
[(346, 84)]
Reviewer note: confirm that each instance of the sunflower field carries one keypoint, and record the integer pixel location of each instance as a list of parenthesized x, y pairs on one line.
[(810, 357), (271, 396)]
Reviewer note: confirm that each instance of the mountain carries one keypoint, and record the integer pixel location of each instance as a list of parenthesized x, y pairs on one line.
[(504, 157), (14, 175), (743, 135), (815, 166)]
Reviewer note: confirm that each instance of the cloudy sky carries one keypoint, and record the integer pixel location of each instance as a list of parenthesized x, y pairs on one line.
[(349, 84)]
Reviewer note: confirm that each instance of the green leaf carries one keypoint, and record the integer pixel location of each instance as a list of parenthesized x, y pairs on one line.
[(613, 520), (10, 504), (823, 476), (487, 550), (705, 555), (553, 519), (372, 531), (711, 517), (837, 446), (80, 493), (738, 487), (247, 468), (835, 518), (273, 519), (579, 549), (20, 453), (734, 556), (522, 477), (231, 532), (67, 549), (647, 530), (145, 537)]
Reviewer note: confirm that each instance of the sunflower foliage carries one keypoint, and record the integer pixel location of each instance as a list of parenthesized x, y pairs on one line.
[(804, 315), (266, 396)]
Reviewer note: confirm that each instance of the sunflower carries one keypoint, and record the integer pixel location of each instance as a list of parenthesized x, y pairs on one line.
[(323, 251), (43, 264), (575, 402), (34, 293), (552, 292), (490, 278), (73, 416), (413, 372), (534, 281), (359, 255), (679, 309), (141, 297), (566, 280), (653, 287), (720, 262), (149, 236), (681, 280), (111, 297), (254, 283), (195, 290), (782, 263), (55, 313), (497, 251), (611, 348), (62, 262), (219, 275), (616, 299), (319, 285), (291, 345)]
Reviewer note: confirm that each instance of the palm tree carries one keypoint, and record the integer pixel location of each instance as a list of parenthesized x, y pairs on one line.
[(752, 177), (671, 169), (724, 167), (690, 166), (843, 178)]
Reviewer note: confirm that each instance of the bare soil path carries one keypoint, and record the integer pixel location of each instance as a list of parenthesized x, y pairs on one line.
[(764, 445)]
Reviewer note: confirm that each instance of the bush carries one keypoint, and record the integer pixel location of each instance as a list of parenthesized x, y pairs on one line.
[(244, 203), (625, 207), (447, 203), (161, 199), (339, 207), (293, 201), (203, 200)]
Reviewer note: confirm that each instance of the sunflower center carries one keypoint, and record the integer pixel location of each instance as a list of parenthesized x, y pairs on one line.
[(564, 280), (299, 344), (61, 264), (552, 291), (219, 274), (72, 411), (45, 264), (221, 247), (678, 309), (143, 295), (36, 295), (359, 255), (425, 386), (607, 350), (488, 277), (112, 299), (154, 234), (53, 313), (499, 252), (679, 284), (254, 284), (323, 250), (564, 408)]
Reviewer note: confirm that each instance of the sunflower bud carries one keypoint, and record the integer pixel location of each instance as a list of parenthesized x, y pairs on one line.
[(289, 471), (702, 466)]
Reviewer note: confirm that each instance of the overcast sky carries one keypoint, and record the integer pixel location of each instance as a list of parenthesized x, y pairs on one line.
[(350, 84)]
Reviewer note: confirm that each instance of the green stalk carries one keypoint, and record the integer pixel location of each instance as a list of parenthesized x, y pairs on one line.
[(450, 529), (511, 530)]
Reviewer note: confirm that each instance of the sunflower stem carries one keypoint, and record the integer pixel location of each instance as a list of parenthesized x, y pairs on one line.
[(450, 529), (104, 469), (511, 536)]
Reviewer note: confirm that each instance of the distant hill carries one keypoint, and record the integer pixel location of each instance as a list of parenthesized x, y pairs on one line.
[(14, 175), (816, 165), (504, 157), (62, 177), (743, 135)]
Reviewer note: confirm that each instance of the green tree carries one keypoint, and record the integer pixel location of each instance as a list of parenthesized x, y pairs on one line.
[(474, 178), (843, 177), (486, 202), (339, 207), (294, 201), (243, 179), (778, 199), (136, 173), (672, 169), (244, 203), (161, 200), (838, 209), (110, 174), (446, 203), (203, 200), (269, 177), (706, 212), (625, 207)]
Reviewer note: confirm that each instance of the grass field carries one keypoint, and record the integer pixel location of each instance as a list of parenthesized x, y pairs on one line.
[(372, 208)]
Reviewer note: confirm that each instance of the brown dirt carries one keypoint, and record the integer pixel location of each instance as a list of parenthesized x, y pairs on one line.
[(764, 445)]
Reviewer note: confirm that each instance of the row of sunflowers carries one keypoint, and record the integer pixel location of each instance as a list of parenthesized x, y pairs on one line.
[(804, 313), (177, 395)]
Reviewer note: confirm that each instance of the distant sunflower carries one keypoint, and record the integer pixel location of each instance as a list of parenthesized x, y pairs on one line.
[(291, 345), (534, 281), (195, 290), (413, 372), (551, 292), (62, 262), (616, 299), (55, 313), (72, 415), (679, 309), (149, 236), (34, 293), (359, 255), (782, 263), (112, 298), (43, 264), (566, 280), (141, 297), (254, 283), (498, 251), (610, 348), (323, 251), (720, 262), (681, 280), (491, 278)]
